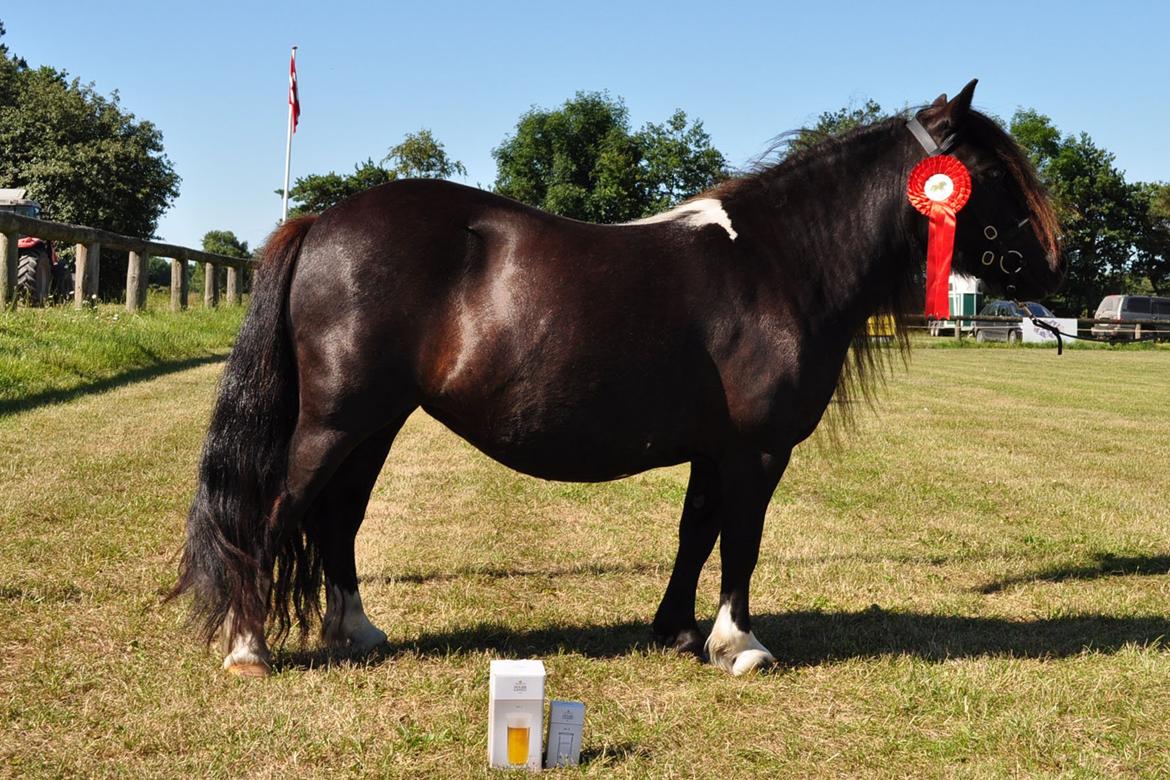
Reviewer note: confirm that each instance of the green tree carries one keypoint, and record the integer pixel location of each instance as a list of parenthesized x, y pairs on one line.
[(582, 161), (81, 155), (221, 242), (224, 242), (1153, 256), (418, 156), (833, 123), (1101, 215)]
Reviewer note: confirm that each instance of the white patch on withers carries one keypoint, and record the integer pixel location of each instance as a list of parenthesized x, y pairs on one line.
[(345, 621), (733, 650), (695, 213)]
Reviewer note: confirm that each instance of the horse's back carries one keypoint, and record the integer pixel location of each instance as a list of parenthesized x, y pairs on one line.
[(518, 329)]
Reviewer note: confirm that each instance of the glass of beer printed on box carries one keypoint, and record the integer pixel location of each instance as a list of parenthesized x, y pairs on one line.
[(519, 728)]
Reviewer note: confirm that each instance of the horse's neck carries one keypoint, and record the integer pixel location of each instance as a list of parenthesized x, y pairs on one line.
[(841, 231)]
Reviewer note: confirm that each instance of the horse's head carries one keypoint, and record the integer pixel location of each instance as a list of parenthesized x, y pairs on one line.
[(1007, 233)]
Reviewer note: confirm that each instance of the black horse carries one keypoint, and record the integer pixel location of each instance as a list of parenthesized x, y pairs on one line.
[(715, 334)]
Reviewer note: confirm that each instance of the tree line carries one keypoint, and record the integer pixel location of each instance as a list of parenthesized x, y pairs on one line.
[(88, 160), (584, 160)]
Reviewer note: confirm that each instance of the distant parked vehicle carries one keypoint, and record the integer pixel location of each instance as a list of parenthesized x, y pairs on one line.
[(40, 276), (1011, 332), (1127, 310)]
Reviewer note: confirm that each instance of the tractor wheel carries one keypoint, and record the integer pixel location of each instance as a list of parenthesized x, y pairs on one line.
[(27, 288)]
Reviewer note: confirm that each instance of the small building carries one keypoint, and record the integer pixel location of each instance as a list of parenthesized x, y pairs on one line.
[(966, 299)]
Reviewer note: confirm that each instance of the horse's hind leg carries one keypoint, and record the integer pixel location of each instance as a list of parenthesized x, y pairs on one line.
[(337, 514), (314, 454)]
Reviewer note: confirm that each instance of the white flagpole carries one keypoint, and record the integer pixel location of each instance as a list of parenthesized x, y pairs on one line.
[(288, 144)]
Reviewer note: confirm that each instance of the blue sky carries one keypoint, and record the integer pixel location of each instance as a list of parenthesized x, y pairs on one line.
[(212, 75)]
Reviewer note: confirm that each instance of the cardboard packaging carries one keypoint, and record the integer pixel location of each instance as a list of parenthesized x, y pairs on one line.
[(515, 714), (566, 722)]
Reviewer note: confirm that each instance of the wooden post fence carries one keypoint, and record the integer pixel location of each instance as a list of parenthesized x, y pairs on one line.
[(89, 243), (210, 286), (9, 257), (178, 285), (135, 271), (233, 286)]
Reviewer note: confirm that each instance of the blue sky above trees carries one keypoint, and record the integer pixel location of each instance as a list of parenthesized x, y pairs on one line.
[(212, 76)]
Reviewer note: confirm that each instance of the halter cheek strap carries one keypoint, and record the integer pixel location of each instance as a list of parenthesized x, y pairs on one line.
[(927, 141)]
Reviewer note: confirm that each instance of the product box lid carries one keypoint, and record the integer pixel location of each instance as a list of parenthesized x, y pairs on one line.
[(522, 679), (566, 712)]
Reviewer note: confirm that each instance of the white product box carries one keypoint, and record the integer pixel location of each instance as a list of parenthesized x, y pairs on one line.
[(566, 722), (515, 714)]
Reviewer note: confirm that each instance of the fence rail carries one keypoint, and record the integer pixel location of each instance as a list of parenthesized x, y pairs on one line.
[(89, 241), (1126, 330)]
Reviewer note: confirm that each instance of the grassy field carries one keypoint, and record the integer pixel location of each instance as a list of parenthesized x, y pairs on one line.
[(57, 353), (976, 584)]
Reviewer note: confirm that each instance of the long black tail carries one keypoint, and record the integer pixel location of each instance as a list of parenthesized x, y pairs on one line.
[(230, 551)]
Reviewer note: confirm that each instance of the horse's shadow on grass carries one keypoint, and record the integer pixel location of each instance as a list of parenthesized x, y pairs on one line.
[(798, 639), (808, 638)]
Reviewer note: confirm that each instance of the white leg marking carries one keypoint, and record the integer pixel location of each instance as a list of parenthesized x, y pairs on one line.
[(696, 213), (247, 653), (733, 650), (346, 621)]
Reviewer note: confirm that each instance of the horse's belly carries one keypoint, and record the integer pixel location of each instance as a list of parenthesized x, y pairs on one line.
[(568, 448)]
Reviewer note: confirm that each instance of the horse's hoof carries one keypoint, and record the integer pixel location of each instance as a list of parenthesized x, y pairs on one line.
[(752, 661), (249, 669), (687, 642), (735, 650), (367, 640)]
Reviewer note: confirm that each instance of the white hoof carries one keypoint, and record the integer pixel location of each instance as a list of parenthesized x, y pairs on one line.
[(367, 638), (345, 621), (247, 655), (751, 661), (733, 650)]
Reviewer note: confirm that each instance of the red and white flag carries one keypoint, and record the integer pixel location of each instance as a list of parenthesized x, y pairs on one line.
[(294, 103)]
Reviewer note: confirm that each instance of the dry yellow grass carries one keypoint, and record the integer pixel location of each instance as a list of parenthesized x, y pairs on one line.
[(975, 585)]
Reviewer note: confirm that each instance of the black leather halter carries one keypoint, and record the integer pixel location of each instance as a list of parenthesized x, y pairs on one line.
[(1011, 262)]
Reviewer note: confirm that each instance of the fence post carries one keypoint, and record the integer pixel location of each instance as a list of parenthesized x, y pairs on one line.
[(178, 271), (134, 282), (233, 286), (80, 270), (9, 257), (210, 286)]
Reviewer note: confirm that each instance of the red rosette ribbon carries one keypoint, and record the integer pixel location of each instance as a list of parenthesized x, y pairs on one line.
[(939, 187)]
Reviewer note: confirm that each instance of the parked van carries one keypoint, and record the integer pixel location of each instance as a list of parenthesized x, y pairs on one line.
[(1127, 311)]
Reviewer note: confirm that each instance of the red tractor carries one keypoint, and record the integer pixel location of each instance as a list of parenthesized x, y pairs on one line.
[(40, 275)]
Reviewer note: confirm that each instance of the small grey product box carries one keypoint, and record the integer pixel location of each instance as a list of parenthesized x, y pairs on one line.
[(566, 722)]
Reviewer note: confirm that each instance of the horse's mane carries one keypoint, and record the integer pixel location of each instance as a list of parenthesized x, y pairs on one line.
[(870, 359)]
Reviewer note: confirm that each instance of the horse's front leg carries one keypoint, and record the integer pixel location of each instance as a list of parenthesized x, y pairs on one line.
[(748, 484), (674, 624)]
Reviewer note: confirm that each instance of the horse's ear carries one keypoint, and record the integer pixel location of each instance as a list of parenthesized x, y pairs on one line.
[(957, 109), (943, 116)]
